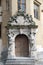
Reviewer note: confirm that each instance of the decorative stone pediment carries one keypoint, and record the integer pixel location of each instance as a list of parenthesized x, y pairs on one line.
[(21, 19)]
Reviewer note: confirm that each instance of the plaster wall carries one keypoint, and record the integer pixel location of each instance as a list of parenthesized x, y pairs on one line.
[(39, 34), (5, 17), (30, 11)]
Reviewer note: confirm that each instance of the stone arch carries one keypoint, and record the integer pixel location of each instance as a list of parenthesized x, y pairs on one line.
[(21, 45)]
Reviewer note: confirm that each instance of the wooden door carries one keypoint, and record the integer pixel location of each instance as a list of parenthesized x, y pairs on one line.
[(21, 46)]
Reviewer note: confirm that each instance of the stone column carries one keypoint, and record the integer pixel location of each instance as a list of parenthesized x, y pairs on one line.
[(11, 44), (12, 33), (32, 42)]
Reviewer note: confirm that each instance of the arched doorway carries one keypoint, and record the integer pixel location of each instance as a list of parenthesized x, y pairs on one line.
[(21, 46)]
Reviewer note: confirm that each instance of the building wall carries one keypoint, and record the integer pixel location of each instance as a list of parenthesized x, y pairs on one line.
[(14, 6), (39, 34), (29, 10), (5, 17)]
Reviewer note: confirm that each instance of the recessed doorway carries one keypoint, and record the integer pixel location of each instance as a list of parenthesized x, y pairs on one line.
[(21, 46)]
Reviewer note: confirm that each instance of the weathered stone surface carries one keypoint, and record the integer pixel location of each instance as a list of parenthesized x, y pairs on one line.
[(22, 61)]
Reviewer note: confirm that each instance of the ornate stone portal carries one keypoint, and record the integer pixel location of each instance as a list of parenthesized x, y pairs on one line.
[(21, 24)]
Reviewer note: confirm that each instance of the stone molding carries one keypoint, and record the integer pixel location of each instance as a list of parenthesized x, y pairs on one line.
[(21, 23)]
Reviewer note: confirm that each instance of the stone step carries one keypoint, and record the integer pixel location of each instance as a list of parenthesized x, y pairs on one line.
[(20, 61)]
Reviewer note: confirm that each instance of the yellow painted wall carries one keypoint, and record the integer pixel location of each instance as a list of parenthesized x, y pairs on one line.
[(14, 6), (30, 11)]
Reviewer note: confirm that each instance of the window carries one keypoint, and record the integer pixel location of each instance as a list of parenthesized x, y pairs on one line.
[(22, 5), (7, 4), (0, 2), (0, 30), (36, 11)]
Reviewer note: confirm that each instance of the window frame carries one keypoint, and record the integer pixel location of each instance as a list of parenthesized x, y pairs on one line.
[(38, 10), (21, 3)]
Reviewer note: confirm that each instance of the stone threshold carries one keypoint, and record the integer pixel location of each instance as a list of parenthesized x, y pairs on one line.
[(21, 60)]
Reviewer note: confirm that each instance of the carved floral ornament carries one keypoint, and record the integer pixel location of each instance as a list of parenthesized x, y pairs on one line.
[(21, 19)]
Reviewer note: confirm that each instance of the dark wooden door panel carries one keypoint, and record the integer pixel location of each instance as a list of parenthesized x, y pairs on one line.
[(21, 46)]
